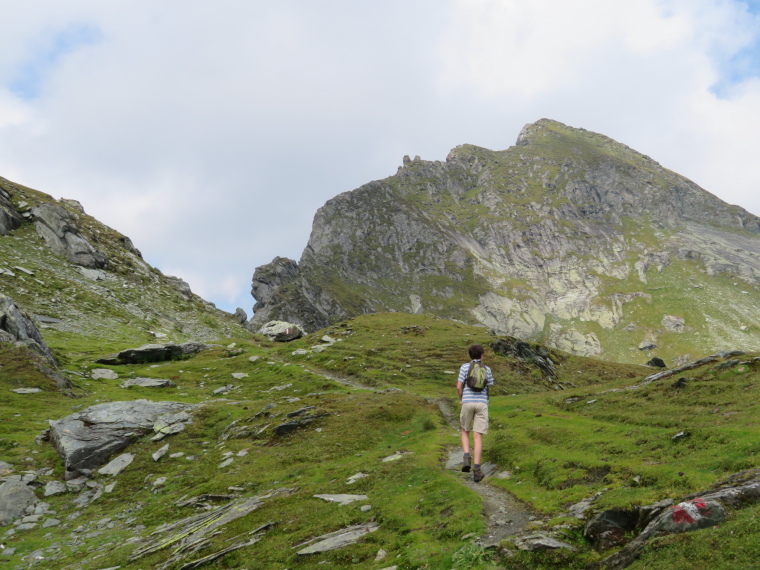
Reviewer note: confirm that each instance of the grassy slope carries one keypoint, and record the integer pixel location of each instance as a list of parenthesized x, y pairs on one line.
[(557, 453)]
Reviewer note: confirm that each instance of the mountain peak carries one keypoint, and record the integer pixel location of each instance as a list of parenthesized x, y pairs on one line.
[(568, 238)]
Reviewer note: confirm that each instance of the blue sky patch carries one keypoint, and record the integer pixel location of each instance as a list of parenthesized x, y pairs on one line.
[(744, 64), (30, 76)]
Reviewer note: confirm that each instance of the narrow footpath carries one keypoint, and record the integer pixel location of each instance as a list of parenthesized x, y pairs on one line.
[(503, 514)]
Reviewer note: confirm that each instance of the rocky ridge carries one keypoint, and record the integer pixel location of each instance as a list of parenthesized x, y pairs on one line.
[(72, 274), (568, 238)]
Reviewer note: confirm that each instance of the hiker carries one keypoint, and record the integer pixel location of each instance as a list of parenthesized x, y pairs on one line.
[(474, 415)]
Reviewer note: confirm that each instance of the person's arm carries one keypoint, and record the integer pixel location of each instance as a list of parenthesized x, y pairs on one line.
[(460, 382)]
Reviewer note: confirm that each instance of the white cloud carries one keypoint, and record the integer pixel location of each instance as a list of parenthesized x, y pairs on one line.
[(211, 133)]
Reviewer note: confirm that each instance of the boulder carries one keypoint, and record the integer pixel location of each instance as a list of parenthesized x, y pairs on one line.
[(609, 528), (280, 331), (154, 353), (15, 497), (180, 285), (73, 204), (56, 226), (103, 374), (657, 362), (86, 440), (240, 316), (690, 515)]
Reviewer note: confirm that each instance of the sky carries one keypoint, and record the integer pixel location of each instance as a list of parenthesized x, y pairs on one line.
[(211, 132)]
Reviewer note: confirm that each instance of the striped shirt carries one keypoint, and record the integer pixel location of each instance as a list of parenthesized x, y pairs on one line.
[(467, 394)]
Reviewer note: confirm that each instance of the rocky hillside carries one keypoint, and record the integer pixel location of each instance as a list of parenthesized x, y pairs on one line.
[(340, 448), (568, 238), (78, 278)]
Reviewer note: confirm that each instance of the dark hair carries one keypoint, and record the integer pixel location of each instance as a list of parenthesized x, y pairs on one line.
[(476, 351)]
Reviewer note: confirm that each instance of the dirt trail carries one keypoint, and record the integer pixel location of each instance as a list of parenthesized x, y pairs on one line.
[(503, 515)]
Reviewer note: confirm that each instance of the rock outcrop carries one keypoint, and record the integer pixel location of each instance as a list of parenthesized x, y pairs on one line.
[(557, 239), (17, 327), (698, 511), (87, 440), (57, 227), (10, 219)]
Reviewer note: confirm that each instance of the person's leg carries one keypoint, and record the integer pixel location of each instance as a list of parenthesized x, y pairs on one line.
[(477, 438), (466, 461)]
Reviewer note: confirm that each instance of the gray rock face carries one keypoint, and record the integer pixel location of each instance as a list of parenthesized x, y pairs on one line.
[(18, 327), (86, 440), (57, 227), (15, 497), (10, 219), (556, 235), (271, 304)]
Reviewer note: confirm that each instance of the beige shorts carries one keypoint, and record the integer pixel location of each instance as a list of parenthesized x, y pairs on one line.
[(474, 417)]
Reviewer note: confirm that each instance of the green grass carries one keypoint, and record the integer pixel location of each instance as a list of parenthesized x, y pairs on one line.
[(558, 453)]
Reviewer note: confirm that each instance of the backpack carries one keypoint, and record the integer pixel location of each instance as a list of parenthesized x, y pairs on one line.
[(477, 377)]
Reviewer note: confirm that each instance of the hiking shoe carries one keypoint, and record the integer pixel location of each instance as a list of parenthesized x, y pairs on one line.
[(477, 475), (466, 463)]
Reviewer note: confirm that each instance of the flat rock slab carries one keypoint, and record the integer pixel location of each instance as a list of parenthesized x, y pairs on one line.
[(55, 488), (86, 440), (342, 499), (354, 478), (26, 390), (160, 452), (396, 456), (117, 465), (338, 539), (148, 383), (103, 374), (541, 542)]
